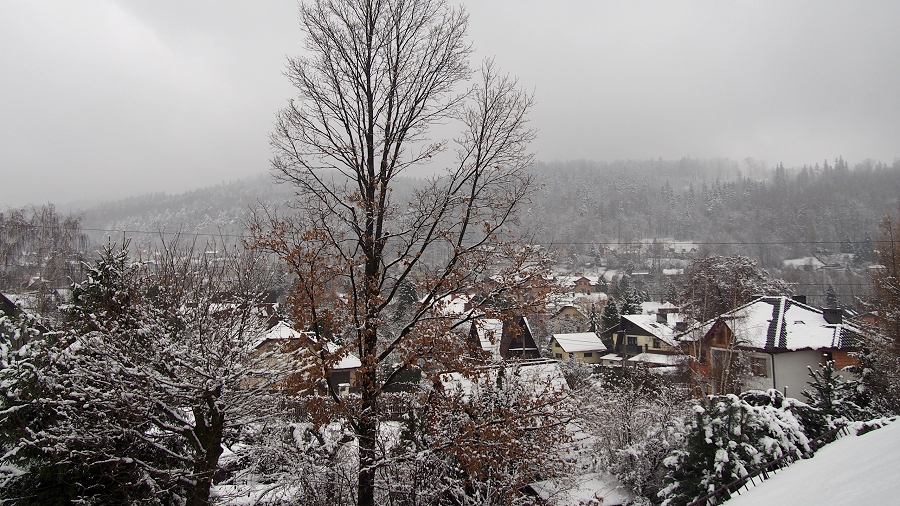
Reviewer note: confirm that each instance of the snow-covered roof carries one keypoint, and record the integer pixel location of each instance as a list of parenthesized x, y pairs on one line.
[(541, 376), (569, 281), (284, 332), (579, 342), (783, 323), (584, 489), (650, 307), (490, 332), (813, 262), (657, 359), (455, 305), (348, 361), (281, 332), (852, 470), (665, 332), (612, 356), (609, 274), (568, 306)]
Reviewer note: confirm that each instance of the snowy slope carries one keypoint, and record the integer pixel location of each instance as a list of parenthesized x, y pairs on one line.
[(854, 470)]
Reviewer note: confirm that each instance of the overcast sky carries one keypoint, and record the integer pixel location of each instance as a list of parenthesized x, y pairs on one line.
[(103, 99)]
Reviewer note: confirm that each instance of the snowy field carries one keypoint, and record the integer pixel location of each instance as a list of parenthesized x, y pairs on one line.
[(854, 470)]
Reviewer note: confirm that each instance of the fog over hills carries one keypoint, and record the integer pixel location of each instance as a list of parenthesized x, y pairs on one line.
[(768, 213)]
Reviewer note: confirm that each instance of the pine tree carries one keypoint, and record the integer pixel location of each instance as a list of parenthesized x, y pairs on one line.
[(727, 438), (631, 301), (835, 398), (610, 315), (831, 299)]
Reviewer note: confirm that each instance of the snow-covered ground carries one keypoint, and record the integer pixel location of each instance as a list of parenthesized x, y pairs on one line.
[(853, 470), (594, 488)]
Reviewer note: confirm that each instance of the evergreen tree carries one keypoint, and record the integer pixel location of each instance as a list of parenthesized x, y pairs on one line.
[(406, 299), (835, 398), (727, 438), (631, 301), (610, 315), (831, 299), (38, 392), (104, 299)]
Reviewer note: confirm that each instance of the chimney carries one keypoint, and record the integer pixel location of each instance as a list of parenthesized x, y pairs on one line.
[(833, 315), (800, 298)]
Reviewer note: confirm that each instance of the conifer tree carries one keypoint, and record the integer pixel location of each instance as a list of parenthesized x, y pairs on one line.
[(835, 398), (727, 438), (831, 299), (610, 316)]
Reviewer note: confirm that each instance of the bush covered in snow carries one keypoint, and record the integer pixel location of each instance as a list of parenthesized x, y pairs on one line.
[(631, 415), (728, 436)]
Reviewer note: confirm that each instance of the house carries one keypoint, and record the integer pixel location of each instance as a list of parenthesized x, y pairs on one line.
[(579, 284), (650, 333), (497, 339), (781, 338), (569, 319), (583, 285), (585, 347), (341, 376)]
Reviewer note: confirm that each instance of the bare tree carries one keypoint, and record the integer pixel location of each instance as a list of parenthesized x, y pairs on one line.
[(377, 75), (40, 251), (715, 284), (881, 359)]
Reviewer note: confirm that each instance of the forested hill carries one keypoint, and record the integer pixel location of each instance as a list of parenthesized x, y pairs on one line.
[(215, 211), (766, 213), (769, 214)]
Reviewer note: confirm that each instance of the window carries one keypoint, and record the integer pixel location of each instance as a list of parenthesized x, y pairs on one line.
[(588, 355), (656, 343), (758, 367), (559, 356), (632, 340)]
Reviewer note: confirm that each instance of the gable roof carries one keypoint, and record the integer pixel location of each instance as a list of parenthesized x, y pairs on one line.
[(489, 332), (579, 342), (568, 306), (501, 339), (518, 341), (284, 332), (657, 359), (781, 323), (9, 307), (665, 332)]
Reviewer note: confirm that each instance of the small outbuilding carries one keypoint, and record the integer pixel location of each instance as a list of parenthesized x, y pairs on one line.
[(584, 347)]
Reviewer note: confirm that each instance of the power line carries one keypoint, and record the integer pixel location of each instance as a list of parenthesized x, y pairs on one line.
[(642, 243)]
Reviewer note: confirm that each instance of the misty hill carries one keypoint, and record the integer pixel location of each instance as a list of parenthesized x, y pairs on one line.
[(725, 207), (215, 211), (730, 207)]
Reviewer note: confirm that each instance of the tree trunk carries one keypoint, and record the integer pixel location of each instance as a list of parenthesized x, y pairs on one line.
[(367, 429), (208, 433)]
